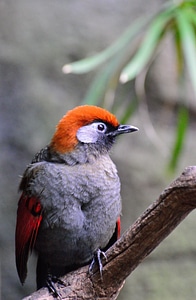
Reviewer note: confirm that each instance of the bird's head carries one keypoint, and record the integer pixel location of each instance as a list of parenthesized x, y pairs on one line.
[(87, 125)]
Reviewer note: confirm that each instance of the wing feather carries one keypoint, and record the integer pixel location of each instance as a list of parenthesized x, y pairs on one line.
[(29, 216)]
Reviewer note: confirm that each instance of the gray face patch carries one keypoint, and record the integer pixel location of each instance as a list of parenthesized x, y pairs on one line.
[(91, 133)]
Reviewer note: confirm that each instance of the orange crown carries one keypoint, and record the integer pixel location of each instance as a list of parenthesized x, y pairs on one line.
[(64, 139)]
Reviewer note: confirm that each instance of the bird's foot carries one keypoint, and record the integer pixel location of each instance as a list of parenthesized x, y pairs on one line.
[(97, 259), (51, 280)]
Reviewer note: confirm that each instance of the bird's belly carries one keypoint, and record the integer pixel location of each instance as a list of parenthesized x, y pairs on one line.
[(81, 218), (62, 247)]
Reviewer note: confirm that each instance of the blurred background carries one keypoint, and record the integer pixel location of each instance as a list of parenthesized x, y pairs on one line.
[(36, 39)]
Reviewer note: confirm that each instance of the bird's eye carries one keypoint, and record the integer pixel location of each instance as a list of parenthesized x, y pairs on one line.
[(101, 127)]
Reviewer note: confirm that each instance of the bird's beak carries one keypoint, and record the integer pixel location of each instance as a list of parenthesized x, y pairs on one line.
[(123, 129)]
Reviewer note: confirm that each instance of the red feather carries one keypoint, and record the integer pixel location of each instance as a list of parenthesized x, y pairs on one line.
[(29, 216), (118, 228)]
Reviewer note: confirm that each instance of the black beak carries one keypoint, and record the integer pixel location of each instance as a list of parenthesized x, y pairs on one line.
[(122, 129)]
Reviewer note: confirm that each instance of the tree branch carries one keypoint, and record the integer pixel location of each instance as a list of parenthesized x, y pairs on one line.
[(159, 219)]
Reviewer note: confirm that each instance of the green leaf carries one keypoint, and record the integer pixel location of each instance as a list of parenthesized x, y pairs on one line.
[(150, 42), (188, 40), (90, 63), (130, 109), (102, 82), (181, 129), (98, 87), (192, 17), (179, 51)]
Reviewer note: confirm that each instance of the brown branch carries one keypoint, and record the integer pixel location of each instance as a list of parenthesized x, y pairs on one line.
[(173, 205)]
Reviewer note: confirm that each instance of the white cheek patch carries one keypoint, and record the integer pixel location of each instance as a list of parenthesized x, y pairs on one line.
[(87, 134)]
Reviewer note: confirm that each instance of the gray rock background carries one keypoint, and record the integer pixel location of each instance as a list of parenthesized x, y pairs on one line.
[(36, 39)]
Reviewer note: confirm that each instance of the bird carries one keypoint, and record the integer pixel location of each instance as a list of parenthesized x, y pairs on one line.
[(70, 204)]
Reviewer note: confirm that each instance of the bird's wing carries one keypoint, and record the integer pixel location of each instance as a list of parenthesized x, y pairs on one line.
[(29, 216)]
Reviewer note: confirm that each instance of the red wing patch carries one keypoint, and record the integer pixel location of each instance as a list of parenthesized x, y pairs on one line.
[(118, 228), (29, 216)]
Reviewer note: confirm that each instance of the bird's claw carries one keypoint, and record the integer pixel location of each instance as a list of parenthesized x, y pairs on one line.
[(51, 280), (97, 259)]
